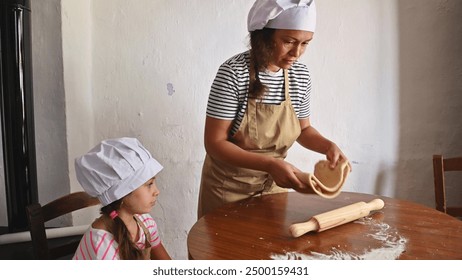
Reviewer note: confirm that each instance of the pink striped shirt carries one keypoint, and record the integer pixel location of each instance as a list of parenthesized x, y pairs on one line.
[(98, 244)]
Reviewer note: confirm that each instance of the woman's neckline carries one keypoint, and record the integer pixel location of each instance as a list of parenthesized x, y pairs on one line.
[(272, 73)]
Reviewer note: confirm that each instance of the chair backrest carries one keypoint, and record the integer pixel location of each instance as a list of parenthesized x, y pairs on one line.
[(38, 215), (440, 167)]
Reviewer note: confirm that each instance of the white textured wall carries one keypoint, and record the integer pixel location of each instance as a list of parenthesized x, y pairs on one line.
[(152, 68), (386, 87)]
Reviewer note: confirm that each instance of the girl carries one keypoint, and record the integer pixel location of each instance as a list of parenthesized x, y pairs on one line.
[(259, 105), (121, 174)]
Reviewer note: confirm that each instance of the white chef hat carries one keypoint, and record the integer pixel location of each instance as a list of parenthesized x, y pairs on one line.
[(114, 168), (282, 14)]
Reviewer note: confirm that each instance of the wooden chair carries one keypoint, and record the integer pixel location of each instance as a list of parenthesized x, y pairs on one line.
[(38, 215), (440, 167)]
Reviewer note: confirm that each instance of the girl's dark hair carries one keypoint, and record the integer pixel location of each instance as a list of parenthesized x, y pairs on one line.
[(261, 50), (127, 248)]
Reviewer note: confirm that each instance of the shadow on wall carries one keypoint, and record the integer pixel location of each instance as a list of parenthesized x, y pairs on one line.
[(430, 47), (380, 181), (49, 104)]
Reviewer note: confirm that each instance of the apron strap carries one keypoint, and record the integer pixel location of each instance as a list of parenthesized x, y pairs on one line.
[(286, 85), (252, 106), (147, 235)]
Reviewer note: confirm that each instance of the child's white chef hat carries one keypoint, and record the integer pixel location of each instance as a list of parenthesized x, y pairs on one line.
[(282, 14), (115, 168)]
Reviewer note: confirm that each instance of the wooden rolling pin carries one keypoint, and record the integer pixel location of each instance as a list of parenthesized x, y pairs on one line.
[(336, 217)]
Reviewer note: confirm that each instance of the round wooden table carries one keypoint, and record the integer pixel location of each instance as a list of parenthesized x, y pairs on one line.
[(257, 229)]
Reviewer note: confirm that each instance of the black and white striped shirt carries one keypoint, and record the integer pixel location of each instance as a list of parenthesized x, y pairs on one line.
[(229, 91)]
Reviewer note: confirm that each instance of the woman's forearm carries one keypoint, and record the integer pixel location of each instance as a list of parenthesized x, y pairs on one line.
[(311, 139), (226, 151)]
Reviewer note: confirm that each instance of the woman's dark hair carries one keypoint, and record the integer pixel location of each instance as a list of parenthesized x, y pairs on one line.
[(261, 50), (127, 248)]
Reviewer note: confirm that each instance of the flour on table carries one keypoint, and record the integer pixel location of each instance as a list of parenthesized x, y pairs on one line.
[(392, 246)]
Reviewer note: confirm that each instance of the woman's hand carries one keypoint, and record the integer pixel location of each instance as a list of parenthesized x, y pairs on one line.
[(334, 155), (283, 174), (311, 139)]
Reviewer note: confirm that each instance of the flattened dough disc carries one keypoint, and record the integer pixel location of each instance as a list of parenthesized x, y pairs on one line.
[(326, 182)]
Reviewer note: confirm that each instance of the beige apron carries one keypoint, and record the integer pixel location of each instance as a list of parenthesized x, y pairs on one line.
[(146, 252), (266, 129)]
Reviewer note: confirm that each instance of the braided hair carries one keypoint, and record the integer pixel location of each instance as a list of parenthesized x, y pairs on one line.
[(127, 248), (261, 51)]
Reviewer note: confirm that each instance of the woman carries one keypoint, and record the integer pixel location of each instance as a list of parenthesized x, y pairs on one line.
[(259, 106)]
